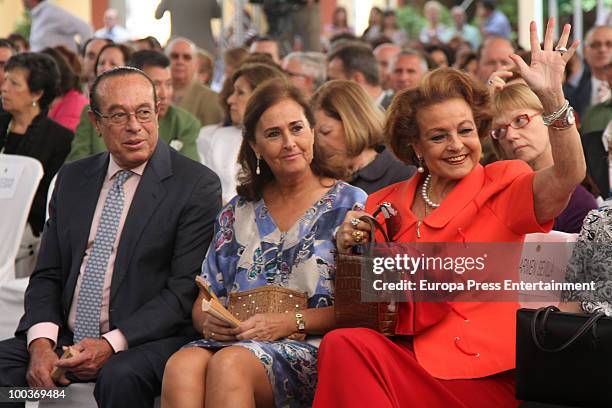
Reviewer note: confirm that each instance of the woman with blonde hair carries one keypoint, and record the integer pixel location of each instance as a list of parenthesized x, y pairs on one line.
[(350, 135), (519, 132)]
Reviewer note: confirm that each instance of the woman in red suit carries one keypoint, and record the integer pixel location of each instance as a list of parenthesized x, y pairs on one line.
[(454, 354)]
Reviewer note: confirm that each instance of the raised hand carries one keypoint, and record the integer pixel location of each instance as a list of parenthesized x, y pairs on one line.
[(497, 80), (545, 74)]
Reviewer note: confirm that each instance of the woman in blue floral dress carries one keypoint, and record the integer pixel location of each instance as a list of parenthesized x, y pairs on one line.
[(278, 231)]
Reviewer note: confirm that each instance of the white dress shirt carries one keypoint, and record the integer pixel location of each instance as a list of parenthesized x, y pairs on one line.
[(52, 25), (219, 147), (116, 33)]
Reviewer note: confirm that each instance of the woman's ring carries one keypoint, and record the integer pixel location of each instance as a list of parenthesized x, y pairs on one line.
[(490, 82), (212, 334), (355, 222), (561, 50), (357, 236)]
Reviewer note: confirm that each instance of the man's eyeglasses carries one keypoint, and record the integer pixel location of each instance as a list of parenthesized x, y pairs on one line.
[(600, 44), (500, 132), (143, 115), (176, 55)]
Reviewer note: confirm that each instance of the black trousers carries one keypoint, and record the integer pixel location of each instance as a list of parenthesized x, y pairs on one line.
[(130, 379)]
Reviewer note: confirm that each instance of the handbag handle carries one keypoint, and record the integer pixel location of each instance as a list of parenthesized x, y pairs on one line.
[(374, 226), (546, 311)]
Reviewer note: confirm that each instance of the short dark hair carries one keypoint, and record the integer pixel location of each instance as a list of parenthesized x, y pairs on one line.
[(488, 4), (124, 49), (257, 73), (43, 74), (68, 79), (148, 58), (358, 58), (94, 103), (151, 42), (89, 40), (251, 184), (6, 43), (16, 37), (450, 57)]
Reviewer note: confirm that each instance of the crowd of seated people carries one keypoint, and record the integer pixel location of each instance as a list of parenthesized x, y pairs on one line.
[(160, 179)]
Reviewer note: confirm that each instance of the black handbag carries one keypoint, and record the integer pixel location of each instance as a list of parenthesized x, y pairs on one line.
[(564, 358)]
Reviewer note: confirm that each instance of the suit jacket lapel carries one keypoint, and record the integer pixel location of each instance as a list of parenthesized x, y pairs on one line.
[(83, 201), (149, 195)]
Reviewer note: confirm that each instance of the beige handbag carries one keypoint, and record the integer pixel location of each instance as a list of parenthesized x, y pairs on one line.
[(266, 299)]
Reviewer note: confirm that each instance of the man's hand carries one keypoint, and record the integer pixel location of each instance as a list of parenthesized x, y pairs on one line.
[(93, 355), (42, 361)]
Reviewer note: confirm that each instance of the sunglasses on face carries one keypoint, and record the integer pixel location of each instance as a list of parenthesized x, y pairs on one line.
[(499, 132)]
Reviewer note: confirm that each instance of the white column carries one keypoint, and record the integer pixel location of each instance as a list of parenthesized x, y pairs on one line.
[(238, 21), (553, 11), (577, 26), (529, 10)]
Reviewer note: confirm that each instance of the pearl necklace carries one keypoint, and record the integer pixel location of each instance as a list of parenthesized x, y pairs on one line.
[(424, 194)]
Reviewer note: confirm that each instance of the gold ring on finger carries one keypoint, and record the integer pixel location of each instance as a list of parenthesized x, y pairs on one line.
[(357, 235)]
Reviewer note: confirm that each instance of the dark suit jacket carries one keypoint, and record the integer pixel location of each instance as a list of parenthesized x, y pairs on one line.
[(597, 161), (383, 171), (163, 243), (49, 143), (580, 97)]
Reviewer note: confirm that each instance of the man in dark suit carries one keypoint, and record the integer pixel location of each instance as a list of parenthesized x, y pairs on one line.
[(591, 86), (597, 161), (127, 233)]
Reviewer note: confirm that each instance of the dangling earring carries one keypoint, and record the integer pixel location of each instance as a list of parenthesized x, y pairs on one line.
[(33, 104), (257, 171), (420, 169)]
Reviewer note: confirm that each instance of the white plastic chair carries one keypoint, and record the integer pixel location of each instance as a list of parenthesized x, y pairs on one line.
[(13, 218), (555, 259), (19, 179)]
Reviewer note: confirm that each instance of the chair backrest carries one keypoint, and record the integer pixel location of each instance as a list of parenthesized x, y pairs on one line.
[(544, 258), (19, 179)]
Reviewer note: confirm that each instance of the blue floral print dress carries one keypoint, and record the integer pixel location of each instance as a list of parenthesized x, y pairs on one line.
[(249, 250)]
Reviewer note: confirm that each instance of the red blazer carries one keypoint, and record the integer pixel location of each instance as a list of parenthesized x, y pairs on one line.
[(459, 340)]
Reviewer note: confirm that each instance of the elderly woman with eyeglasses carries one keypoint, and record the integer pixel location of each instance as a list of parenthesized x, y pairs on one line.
[(519, 132)]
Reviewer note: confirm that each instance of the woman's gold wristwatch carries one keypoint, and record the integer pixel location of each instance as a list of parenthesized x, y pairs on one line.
[(300, 324)]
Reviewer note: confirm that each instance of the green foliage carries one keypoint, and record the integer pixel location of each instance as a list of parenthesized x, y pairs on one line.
[(567, 6), (412, 20), (23, 24)]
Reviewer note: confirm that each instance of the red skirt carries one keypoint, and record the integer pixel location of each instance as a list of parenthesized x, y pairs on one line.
[(362, 368)]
